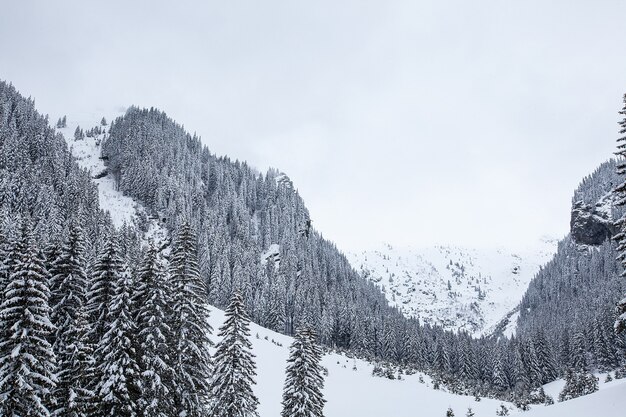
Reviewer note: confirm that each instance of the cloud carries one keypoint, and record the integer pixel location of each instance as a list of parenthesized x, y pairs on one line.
[(409, 122)]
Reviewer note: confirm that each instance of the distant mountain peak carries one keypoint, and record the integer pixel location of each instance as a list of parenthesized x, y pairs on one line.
[(456, 287)]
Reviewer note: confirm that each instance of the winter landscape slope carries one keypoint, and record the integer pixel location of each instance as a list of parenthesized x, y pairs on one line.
[(454, 287), (608, 401), (87, 153), (350, 388)]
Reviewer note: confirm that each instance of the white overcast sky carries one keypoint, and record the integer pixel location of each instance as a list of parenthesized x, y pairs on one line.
[(411, 122)]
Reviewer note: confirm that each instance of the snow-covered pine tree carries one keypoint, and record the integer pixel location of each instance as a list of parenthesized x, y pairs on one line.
[(73, 351), (191, 360), (620, 190), (502, 411), (500, 380), (544, 368), (118, 384), (151, 300), (468, 364), (105, 274), (522, 371), (579, 352), (578, 384), (79, 134), (231, 389), (6, 248), (27, 362), (302, 394)]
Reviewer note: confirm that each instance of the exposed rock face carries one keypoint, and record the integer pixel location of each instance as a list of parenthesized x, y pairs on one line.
[(591, 225)]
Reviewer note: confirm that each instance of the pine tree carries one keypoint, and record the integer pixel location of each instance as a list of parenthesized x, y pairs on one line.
[(302, 395), (579, 352), (27, 362), (578, 384), (118, 384), (502, 411), (544, 368), (620, 190), (499, 379), (231, 389), (152, 299), (6, 258), (79, 134), (73, 351), (106, 273), (191, 360), (468, 362)]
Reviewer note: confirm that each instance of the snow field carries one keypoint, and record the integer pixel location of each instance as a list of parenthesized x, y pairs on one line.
[(351, 392)]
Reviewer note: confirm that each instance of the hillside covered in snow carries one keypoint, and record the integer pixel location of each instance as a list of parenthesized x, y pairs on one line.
[(352, 390), (454, 287)]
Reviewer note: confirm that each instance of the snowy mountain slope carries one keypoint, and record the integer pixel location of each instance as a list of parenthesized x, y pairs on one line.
[(87, 151), (351, 390), (609, 401), (350, 387), (457, 288)]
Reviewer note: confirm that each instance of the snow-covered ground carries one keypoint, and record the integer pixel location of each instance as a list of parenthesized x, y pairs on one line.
[(350, 388), (457, 288), (609, 401)]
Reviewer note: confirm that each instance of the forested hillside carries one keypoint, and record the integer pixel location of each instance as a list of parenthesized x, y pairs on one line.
[(572, 299), (39, 179), (253, 232)]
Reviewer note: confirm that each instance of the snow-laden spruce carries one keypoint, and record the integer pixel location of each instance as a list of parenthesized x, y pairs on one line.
[(27, 361), (191, 360), (73, 351), (620, 190), (104, 276), (231, 389), (117, 372), (302, 394), (151, 301)]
